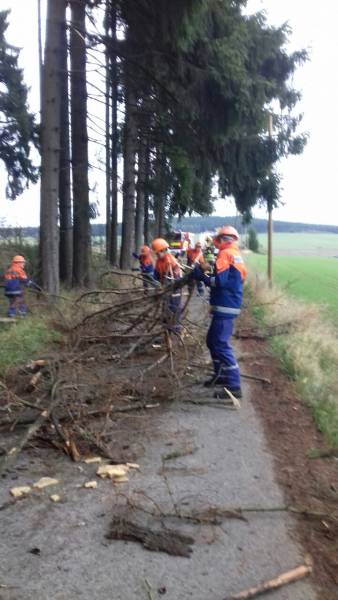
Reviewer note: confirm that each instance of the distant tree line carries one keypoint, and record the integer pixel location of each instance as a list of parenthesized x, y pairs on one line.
[(191, 224), (187, 87)]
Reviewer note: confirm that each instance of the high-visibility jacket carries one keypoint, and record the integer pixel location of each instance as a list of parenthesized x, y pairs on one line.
[(146, 264), (167, 267), (226, 285), (15, 280), (194, 256)]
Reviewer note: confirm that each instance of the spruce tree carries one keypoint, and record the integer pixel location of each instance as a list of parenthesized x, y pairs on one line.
[(17, 126)]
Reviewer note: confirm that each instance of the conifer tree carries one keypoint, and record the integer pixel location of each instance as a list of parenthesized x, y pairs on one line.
[(17, 127)]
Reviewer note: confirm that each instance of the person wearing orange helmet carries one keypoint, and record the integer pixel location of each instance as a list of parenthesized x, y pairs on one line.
[(146, 265), (166, 270), (15, 282), (195, 257), (226, 291)]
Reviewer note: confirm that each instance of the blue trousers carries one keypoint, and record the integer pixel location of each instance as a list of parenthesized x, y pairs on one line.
[(174, 312), (218, 341), (16, 306)]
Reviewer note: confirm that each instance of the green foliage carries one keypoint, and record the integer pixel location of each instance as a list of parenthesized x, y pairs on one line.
[(13, 246), (206, 75), (18, 129), (253, 243), (280, 347)]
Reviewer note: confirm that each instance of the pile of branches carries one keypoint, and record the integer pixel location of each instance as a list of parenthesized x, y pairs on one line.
[(64, 400)]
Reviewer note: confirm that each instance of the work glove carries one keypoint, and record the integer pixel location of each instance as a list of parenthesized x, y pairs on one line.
[(199, 275)]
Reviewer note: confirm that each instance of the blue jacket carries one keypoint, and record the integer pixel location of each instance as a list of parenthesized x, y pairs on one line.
[(226, 285)]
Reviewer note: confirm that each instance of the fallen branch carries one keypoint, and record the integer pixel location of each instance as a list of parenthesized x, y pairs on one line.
[(212, 403), (235, 400), (33, 382), (250, 335), (255, 378), (166, 540), (274, 584), (217, 514), (11, 456)]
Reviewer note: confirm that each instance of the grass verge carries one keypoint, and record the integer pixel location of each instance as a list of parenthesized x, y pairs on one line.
[(308, 352), (25, 340)]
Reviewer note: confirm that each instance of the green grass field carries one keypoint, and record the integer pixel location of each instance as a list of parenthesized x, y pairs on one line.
[(302, 244), (309, 278)]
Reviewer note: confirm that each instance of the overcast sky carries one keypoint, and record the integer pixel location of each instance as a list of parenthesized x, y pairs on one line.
[(309, 181)]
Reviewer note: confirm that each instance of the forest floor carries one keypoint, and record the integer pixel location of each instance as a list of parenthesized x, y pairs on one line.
[(198, 463)]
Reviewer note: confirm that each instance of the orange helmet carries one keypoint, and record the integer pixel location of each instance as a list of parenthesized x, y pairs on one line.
[(144, 250), (228, 230), (18, 259), (225, 235), (159, 245)]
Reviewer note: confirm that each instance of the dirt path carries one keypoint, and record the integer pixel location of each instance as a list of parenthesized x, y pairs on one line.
[(191, 457), (292, 437)]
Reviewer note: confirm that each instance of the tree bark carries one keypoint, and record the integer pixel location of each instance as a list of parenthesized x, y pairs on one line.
[(130, 144), (65, 202), (81, 223), (160, 196), (140, 197), (40, 50), (108, 134), (146, 197), (114, 144), (50, 147)]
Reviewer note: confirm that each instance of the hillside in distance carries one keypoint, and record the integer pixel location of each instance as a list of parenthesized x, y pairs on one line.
[(201, 224), (195, 225)]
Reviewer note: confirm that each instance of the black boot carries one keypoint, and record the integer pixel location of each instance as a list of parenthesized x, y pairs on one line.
[(222, 394), (214, 380)]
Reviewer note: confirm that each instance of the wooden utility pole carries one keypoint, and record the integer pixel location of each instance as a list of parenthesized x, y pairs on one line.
[(270, 223)]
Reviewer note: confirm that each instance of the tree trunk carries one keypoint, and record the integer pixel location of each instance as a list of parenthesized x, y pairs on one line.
[(50, 147), (114, 144), (108, 134), (81, 227), (40, 51), (140, 197), (130, 143), (160, 197), (146, 197), (65, 202)]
